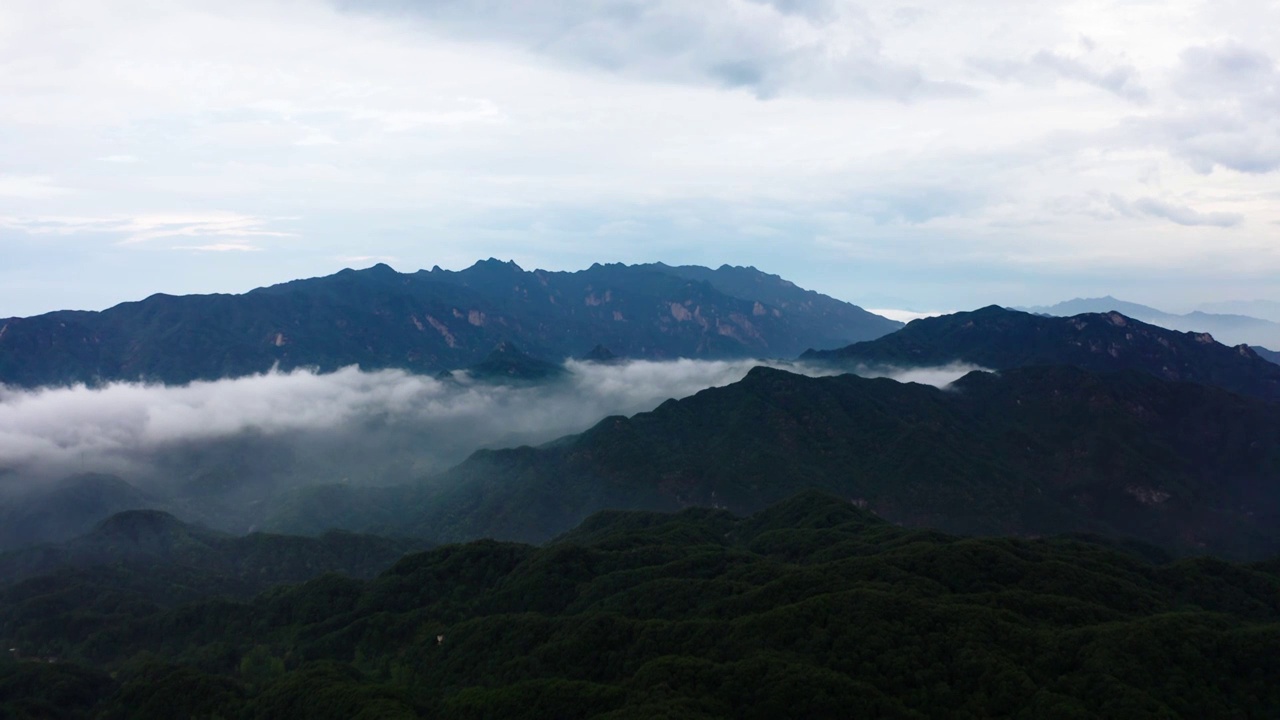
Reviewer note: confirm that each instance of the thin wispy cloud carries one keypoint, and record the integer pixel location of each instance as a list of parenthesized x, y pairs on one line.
[(152, 227), (1184, 215), (132, 230), (220, 247)]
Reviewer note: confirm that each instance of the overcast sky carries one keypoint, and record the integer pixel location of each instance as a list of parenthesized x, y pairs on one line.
[(933, 156)]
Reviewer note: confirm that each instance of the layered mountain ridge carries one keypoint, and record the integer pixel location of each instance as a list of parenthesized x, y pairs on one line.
[(1096, 424), (1028, 451)]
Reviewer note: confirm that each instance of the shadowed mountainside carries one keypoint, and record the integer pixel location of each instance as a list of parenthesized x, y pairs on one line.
[(1030, 451)]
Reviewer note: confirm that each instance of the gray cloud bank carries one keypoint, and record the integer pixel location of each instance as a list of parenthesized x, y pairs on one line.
[(769, 47), (301, 428)]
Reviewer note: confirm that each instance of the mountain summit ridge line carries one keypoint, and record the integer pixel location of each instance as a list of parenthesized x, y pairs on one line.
[(431, 321)]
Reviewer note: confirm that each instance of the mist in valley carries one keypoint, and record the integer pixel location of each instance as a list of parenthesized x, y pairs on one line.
[(218, 452)]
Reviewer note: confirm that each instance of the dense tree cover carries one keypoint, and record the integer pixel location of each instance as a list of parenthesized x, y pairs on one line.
[(812, 608)]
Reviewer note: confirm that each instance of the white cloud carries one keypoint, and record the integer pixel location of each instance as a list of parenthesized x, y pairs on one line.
[(904, 315), (342, 419)]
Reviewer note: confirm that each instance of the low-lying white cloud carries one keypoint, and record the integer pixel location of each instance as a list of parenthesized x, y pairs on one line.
[(905, 315), (379, 427)]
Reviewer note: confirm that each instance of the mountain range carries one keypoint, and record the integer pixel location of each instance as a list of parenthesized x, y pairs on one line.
[(1229, 328), (1096, 423), (432, 321), (1062, 531)]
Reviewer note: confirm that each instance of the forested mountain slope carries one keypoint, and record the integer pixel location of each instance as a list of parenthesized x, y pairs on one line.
[(812, 608), (1030, 451)]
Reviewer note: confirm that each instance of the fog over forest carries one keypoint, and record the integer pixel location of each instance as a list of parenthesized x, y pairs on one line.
[(379, 427)]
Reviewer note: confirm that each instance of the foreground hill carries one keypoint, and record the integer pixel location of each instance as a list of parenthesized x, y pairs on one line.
[(996, 338), (431, 321), (1030, 451), (813, 608)]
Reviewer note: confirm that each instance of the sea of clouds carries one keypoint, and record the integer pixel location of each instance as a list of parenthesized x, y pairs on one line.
[(380, 427)]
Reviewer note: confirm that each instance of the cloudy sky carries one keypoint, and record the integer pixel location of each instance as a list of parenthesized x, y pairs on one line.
[(929, 156)]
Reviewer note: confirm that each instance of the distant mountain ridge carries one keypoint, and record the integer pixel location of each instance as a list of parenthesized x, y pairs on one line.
[(1262, 309), (157, 540), (996, 338), (67, 508), (432, 321), (1228, 328)]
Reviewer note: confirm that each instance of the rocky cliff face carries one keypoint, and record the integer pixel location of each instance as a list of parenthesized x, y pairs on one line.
[(430, 321)]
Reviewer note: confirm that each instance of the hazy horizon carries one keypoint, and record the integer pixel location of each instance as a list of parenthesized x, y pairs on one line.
[(905, 312)]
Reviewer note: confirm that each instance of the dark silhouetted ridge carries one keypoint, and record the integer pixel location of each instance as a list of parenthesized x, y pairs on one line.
[(1000, 339), (600, 354), (507, 363)]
